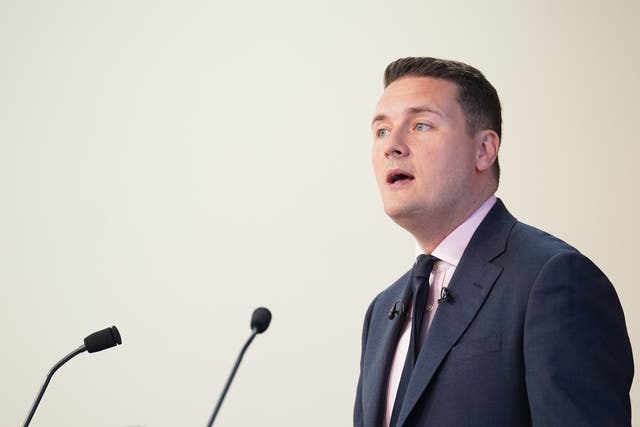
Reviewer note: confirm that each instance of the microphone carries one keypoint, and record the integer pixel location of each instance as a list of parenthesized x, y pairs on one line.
[(397, 309), (102, 340), (97, 341), (445, 295), (260, 321)]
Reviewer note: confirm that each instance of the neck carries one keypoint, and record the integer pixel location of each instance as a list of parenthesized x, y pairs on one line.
[(430, 230)]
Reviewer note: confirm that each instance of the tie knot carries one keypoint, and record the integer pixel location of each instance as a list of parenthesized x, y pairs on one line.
[(424, 265)]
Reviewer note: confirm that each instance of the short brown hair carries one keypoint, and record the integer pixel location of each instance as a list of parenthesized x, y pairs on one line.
[(477, 97)]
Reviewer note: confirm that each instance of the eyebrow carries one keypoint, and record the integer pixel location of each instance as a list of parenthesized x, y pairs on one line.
[(411, 111)]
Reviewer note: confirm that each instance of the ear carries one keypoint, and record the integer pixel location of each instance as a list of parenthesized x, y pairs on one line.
[(488, 143)]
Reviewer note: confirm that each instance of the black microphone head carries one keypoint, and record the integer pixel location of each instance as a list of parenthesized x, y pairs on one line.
[(260, 319), (102, 340)]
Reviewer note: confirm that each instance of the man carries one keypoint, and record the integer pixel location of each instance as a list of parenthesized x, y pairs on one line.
[(498, 323)]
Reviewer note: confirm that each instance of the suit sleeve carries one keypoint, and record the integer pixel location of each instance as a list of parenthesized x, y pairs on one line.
[(577, 354), (358, 420)]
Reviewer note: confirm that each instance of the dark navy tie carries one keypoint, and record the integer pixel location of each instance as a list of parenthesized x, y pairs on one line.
[(420, 291)]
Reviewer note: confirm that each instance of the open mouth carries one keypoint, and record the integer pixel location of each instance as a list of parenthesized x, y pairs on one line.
[(398, 175)]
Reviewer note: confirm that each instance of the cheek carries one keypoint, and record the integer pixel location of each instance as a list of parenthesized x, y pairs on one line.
[(441, 164), (377, 159), (460, 155)]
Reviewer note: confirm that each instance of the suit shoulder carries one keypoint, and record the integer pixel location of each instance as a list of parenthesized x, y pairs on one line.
[(527, 239), (528, 251), (538, 255)]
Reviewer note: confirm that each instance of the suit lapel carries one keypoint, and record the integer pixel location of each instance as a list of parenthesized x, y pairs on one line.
[(385, 342), (471, 283)]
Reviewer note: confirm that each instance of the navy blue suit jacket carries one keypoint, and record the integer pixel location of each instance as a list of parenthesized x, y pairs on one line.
[(534, 336)]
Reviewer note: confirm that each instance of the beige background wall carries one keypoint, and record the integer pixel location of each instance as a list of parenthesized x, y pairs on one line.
[(169, 166)]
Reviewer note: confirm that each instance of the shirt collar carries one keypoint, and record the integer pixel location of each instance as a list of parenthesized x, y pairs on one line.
[(450, 250)]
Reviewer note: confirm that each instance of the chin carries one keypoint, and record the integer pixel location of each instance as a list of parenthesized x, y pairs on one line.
[(400, 213)]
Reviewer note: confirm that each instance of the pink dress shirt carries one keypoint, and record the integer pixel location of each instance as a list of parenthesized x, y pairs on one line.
[(448, 252)]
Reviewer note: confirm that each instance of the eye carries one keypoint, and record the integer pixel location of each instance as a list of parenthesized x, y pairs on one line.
[(422, 127), (381, 133)]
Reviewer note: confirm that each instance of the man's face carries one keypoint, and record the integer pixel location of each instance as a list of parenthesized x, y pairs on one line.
[(423, 157)]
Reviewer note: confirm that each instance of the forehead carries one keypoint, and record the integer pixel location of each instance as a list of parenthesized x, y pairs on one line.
[(411, 92)]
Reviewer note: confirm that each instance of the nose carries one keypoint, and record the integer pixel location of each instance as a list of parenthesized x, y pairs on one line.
[(395, 147)]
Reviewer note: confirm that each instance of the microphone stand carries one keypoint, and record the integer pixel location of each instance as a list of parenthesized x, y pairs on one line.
[(233, 373), (53, 370)]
